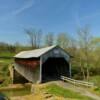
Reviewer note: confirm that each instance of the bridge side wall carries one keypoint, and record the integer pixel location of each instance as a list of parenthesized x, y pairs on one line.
[(28, 69)]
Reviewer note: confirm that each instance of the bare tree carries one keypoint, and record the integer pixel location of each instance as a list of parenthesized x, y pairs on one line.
[(49, 39), (63, 40), (84, 41), (35, 37)]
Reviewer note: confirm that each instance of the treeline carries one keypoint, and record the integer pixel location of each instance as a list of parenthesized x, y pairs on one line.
[(83, 47), (5, 47)]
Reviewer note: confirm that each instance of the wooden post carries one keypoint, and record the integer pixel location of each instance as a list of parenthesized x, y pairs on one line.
[(70, 69), (40, 69), (13, 75), (11, 70)]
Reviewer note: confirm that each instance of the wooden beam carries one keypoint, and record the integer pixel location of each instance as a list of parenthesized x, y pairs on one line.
[(40, 69), (70, 73)]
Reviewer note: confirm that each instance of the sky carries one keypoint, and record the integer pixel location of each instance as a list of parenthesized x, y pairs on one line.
[(48, 15)]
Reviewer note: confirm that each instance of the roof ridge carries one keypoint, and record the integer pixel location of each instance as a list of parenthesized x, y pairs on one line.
[(36, 52)]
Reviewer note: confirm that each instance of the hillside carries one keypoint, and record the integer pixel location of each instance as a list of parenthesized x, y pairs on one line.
[(58, 90)]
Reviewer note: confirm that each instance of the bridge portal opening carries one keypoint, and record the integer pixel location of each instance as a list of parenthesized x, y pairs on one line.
[(54, 68)]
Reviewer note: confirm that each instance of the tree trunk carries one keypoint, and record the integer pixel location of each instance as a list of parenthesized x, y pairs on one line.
[(82, 69), (83, 72), (88, 74)]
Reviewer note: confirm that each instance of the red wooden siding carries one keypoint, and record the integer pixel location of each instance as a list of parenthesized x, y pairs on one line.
[(28, 63)]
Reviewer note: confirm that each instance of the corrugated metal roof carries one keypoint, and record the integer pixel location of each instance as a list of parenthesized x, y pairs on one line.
[(34, 53)]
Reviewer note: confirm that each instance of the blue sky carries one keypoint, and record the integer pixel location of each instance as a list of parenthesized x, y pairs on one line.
[(49, 15)]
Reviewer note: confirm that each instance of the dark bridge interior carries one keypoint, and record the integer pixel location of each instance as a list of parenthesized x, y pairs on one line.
[(53, 68)]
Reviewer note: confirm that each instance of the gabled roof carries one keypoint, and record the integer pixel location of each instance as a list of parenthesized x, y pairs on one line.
[(34, 53)]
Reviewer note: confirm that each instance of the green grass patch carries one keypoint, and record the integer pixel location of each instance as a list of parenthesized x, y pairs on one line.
[(7, 81), (59, 91), (96, 90), (95, 80), (17, 91), (4, 61), (6, 54), (4, 71)]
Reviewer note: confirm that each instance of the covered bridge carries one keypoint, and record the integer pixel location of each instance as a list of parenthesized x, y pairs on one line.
[(42, 64)]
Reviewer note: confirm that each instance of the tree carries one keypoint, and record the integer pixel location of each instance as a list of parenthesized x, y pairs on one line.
[(95, 55), (49, 39), (84, 41), (63, 40), (35, 37)]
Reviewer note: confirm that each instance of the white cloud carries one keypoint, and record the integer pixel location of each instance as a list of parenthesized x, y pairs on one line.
[(28, 5)]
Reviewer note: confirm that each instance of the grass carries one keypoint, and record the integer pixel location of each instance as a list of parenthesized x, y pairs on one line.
[(59, 91), (5, 61), (4, 69), (16, 92), (97, 89), (6, 54), (95, 80), (11, 92)]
